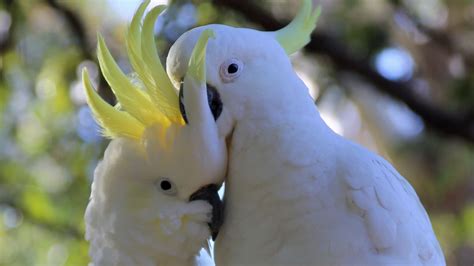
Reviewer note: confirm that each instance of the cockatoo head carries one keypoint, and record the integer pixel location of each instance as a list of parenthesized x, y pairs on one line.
[(244, 65), (154, 197)]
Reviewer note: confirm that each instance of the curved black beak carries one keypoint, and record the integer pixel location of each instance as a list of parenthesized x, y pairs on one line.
[(213, 99), (210, 194)]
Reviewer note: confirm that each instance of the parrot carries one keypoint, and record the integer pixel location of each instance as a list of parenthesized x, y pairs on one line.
[(154, 197), (297, 193)]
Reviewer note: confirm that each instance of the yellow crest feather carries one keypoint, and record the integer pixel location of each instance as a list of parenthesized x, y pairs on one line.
[(130, 97), (167, 98), (114, 123), (134, 49), (157, 105), (298, 33)]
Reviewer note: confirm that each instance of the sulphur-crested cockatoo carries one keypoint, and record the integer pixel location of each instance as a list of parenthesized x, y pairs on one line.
[(297, 193), (154, 197)]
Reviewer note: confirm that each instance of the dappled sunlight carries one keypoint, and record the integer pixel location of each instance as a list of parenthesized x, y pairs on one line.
[(395, 64)]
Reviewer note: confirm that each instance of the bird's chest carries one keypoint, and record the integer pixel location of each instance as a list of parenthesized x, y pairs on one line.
[(275, 177)]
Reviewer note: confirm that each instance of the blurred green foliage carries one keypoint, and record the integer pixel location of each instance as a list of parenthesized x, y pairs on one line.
[(49, 144)]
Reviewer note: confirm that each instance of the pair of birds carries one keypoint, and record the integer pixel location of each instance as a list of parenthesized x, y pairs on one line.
[(296, 192)]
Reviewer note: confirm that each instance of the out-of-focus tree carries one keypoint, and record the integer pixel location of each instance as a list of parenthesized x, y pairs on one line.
[(394, 75)]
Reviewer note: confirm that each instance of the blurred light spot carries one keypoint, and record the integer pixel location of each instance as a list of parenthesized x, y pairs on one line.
[(20, 99), (456, 66), (126, 9), (31, 134), (172, 32), (11, 217), (157, 2), (431, 13), (57, 254), (9, 149), (5, 23), (394, 64), (91, 67), (45, 88), (87, 129), (186, 18), (312, 87), (406, 124), (332, 122), (51, 176), (76, 92), (350, 117)]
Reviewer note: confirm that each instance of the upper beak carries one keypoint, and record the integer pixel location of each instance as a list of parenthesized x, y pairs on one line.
[(210, 194), (197, 61), (197, 71)]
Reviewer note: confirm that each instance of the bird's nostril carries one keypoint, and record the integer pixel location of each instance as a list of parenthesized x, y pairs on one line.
[(213, 99)]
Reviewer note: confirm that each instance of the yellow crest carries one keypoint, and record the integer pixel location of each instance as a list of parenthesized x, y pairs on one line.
[(157, 105), (298, 33)]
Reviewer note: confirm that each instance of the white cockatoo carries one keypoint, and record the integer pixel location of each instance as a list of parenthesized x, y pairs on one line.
[(154, 196), (296, 193)]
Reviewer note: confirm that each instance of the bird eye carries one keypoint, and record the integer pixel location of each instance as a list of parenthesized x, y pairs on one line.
[(166, 186), (231, 69)]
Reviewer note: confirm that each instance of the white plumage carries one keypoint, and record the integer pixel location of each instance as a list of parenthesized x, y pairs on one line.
[(129, 221), (296, 192), (154, 197)]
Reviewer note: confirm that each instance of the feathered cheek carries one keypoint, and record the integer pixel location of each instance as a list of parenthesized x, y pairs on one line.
[(170, 225), (197, 213)]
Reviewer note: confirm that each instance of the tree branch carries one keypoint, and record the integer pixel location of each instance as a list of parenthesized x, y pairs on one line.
[(78, 30), (440, 38), (459, 124)]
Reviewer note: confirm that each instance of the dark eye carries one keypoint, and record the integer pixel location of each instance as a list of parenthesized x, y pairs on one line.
[(231, 69), (166, 186)]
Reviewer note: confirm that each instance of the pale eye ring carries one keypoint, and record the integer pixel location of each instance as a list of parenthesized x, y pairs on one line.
[(231, 69), (166, 186)]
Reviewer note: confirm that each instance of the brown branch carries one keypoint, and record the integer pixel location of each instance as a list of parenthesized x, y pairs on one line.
[(441, 39), (459, 124), (75, 25), (78, 30)]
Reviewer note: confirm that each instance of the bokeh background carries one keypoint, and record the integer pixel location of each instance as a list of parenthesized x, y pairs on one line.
[(394, 75)]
